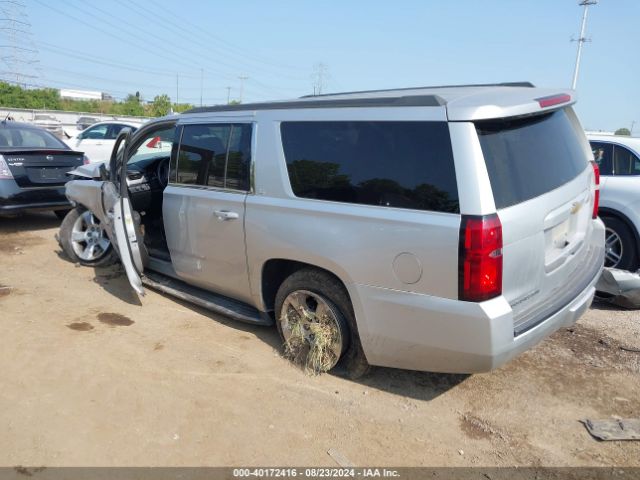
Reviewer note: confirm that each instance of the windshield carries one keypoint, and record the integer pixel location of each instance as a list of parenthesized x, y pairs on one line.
[(28, 138)]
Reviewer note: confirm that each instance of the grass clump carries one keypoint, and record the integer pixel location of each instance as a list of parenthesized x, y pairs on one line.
[(311, 346)]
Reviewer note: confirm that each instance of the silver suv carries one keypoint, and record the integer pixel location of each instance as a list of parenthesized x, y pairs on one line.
[(443, 229)]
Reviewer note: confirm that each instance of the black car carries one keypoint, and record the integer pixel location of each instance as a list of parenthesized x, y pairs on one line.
[(33, 169)]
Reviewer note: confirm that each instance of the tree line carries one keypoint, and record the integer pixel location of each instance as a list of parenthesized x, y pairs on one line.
[(14, 96)]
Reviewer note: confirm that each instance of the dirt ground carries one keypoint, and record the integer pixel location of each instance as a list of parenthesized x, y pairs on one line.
[(92, 376)]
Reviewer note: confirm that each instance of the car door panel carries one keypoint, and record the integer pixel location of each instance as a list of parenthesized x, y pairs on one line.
[(205, 236), (204, 208)]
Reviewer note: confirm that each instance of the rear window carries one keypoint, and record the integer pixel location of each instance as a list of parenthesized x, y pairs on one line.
[(530, 156), (28, 138), (389, 164)]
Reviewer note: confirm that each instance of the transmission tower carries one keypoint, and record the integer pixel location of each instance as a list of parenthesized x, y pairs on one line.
[(18, 53), (319, 77), (582, 39)]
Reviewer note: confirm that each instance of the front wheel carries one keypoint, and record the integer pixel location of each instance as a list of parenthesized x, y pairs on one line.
[(621, 250), (84, 240)]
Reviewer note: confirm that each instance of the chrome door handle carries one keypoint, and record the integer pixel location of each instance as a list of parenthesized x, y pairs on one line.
[(225, 215)]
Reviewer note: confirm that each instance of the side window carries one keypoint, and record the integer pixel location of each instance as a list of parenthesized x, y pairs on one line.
[(625, 162), (602, 154), (114, 130), (391, 164), (216, 155), (156, 143), (98, 132)]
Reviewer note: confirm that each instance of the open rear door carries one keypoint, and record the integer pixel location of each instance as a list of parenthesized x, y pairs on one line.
[(115, 198)]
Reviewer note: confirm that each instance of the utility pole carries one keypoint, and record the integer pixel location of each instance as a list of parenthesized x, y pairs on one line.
[(201, 79), (582, 39), (242, 78), (18, 53), (228, 95), (633, 122)]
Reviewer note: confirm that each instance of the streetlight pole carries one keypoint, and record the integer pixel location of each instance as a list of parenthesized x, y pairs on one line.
[(582, 39)]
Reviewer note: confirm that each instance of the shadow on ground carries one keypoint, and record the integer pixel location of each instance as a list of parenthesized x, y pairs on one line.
[(417, 385), (28, 222)]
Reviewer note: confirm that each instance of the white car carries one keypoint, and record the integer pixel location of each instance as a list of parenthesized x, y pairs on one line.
[(619, 160), (97, 141), (49, 123)]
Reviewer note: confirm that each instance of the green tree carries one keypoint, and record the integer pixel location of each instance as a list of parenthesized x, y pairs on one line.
[(160, 106), (181, 107), (623, 131)]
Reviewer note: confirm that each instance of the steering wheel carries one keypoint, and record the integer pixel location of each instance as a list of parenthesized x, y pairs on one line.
[(162, 172)]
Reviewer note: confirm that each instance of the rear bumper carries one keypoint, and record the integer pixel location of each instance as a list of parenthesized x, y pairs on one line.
[(419, 332), (14, 200)]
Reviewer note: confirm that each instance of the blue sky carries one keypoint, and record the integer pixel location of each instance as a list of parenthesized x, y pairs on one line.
[(120, 46)]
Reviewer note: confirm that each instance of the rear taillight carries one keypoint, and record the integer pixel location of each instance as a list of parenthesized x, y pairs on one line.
[(596, 193), (85, 160), (153, 143), (5, 173), (480, 258)]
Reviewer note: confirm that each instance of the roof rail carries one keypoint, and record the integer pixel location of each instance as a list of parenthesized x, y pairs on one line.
[(406, 101), (503, 84)]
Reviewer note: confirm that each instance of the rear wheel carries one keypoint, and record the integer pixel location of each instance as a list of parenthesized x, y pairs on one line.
[(315, 320), (621, 250), (84, 240)]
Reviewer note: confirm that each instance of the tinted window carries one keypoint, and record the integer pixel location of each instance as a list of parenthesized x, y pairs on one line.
[(96, 133), (625, 162), (531, 156), (391, 164), (115, 129), (28, 138), (602, 154), (215, 155)]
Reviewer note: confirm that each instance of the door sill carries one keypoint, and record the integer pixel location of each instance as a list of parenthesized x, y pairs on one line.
[(211, 301)]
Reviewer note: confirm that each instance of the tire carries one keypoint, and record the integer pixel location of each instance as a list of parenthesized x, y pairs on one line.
[(61, 213), (103, 253), (621, 248), (318, 286)]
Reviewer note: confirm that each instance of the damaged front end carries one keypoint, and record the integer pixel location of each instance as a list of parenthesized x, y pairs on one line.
[(106, 195), (619, 287), (99, 197)]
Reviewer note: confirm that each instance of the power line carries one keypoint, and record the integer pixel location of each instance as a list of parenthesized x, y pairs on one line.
[(140, 46), (119, 65), (179, 56), (171, 17)]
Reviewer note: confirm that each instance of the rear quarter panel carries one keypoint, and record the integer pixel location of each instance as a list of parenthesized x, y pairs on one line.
[(358, 243)]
